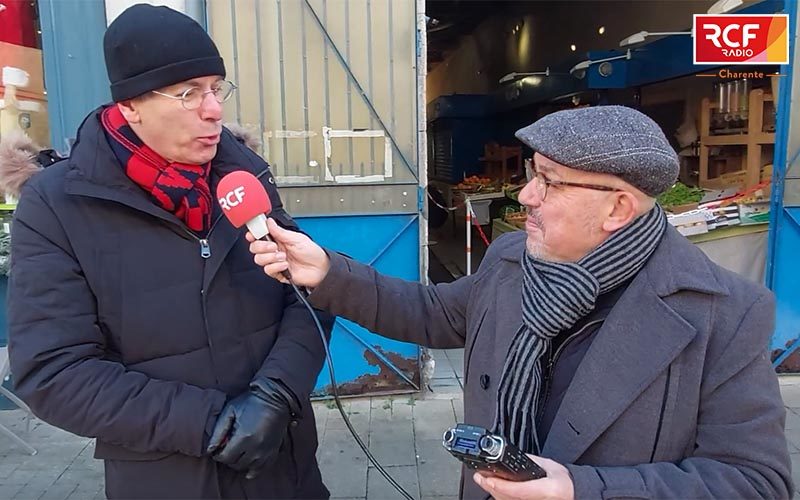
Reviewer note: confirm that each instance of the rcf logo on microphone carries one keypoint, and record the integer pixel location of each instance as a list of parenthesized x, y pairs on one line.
[(741, 39), (232, 198)]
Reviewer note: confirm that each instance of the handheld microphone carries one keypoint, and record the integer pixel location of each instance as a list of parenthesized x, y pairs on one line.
[(244, 201)]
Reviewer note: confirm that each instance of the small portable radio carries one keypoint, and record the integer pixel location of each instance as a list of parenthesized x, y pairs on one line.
[(481, 450)]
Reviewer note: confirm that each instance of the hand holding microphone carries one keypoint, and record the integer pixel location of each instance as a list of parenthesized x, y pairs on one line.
[(290, 251), (285, 255)]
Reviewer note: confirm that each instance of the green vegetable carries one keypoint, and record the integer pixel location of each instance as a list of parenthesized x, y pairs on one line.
[(680, 194)]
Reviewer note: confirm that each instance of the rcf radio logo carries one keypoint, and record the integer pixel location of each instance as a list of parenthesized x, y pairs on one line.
[(741, 39)]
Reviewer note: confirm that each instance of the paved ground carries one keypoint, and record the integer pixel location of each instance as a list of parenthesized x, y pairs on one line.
[(404, 434)]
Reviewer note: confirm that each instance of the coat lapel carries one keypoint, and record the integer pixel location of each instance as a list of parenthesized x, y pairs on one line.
[(508, 316), (640, 338), (628, 353)]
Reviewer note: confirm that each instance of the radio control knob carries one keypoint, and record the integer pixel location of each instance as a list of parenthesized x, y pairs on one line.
[(490, 445)]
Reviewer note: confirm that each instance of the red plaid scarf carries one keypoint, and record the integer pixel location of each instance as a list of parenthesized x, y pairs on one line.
[(176, 187)]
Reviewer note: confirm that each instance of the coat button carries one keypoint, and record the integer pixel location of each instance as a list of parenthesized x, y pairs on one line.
[(294, 423), (484, 381)]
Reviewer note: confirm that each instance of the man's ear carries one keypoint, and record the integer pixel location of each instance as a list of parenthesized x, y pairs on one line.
[(623, 212), (130, 111)]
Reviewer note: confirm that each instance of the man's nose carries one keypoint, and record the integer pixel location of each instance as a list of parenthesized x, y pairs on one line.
[(210, 108), (529, 196)]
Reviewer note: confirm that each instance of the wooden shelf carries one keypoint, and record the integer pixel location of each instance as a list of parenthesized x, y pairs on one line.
[(495, 155), (765, 138), (738, 139), (753, 141)]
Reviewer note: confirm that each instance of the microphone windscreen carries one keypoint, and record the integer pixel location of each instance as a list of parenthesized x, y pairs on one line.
[(242, 197)]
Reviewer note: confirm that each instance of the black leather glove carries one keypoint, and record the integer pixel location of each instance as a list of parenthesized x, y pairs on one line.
[(249, 430)]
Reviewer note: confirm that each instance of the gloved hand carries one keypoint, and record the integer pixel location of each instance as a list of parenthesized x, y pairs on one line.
[(249, 430)]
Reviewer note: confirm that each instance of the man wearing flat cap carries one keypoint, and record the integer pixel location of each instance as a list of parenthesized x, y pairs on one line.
[(599, 340), (136, 314)]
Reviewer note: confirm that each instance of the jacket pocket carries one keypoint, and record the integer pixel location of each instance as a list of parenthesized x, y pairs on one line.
[(469, 347), (663, 437)]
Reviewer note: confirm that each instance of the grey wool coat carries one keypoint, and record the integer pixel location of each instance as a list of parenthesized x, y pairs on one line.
[(675, 397)]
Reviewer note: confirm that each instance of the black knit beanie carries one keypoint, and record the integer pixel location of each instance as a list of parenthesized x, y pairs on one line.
[(147, 48)]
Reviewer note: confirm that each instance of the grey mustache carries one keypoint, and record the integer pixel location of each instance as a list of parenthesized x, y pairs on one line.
[(537, 217)]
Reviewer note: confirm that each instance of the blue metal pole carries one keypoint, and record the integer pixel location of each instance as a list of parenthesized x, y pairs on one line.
[(779, 164), (74, 69), (783, 231)]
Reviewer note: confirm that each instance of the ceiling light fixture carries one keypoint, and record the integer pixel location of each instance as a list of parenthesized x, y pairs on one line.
[(584, 65), (723, 6), (515, 75)]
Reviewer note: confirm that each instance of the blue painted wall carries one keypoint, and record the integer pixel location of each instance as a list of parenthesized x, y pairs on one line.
[(390, 243), (785, 284)]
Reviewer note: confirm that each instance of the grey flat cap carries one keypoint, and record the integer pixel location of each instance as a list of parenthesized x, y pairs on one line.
[(612, 140)]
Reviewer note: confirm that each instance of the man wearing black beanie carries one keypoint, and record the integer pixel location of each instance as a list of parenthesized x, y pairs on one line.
[(136, 315)]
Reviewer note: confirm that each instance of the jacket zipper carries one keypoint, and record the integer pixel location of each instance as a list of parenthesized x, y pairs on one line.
[(551, 365), (205, 253), (205, 247)]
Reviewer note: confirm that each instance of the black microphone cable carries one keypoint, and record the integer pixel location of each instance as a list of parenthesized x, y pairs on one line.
[(392, 481), (301, 295)]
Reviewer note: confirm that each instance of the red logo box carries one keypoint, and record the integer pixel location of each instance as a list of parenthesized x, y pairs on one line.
[(741, 39)]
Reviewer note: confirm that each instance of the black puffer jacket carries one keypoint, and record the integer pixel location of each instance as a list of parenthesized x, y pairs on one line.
[(126, 327)]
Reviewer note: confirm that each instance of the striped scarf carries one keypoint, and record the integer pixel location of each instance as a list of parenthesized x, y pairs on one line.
[(179, 188), (555, 296)]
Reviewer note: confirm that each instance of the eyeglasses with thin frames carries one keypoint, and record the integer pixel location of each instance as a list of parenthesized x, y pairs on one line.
[(193, 97), (542, 183)]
